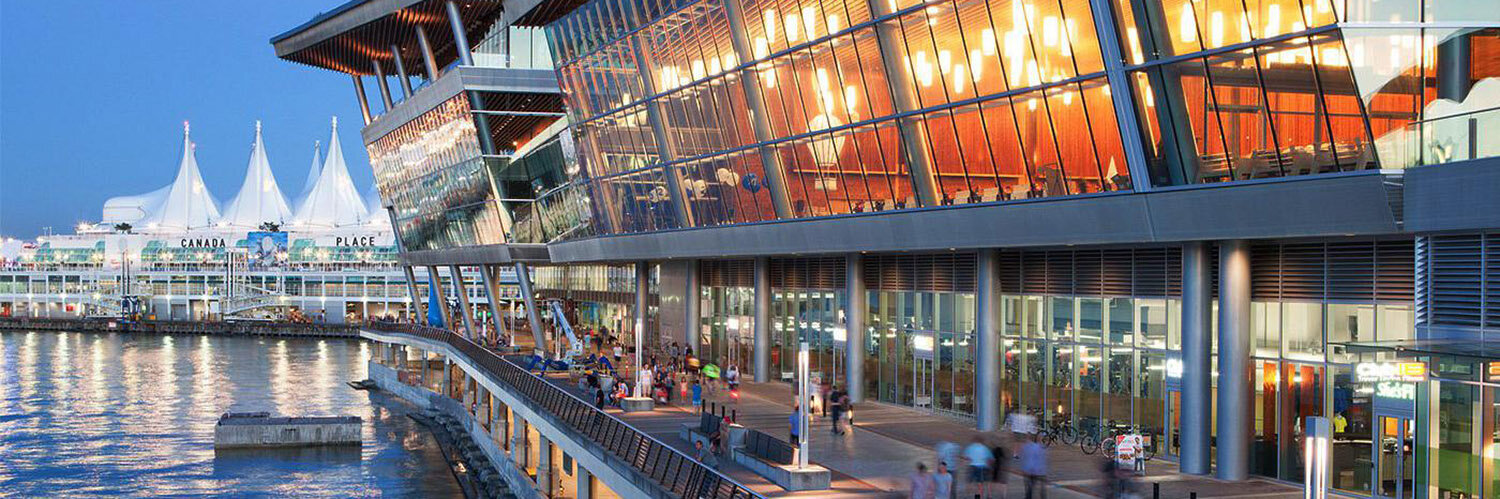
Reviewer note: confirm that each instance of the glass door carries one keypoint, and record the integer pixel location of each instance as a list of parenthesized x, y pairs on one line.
[(1394, 460)]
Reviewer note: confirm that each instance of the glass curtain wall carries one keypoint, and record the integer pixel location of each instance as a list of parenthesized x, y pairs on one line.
[(727, 335), (981, 89), (922, 350), (811, 315)]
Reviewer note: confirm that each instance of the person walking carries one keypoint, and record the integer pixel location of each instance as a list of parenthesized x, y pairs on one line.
[(796, 422), (697, 396), (1034, 468), (980, 460), (942, 482), (922, 486), (1000, 471)]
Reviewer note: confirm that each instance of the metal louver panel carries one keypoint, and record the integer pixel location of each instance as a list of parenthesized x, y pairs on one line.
[(1116, 269), (1265, 272), (1089, 273), (1453, 271), (940, 272), (1395, 270), (1150, 273), (1492, 280), (1010, 272), (1034, 272), (727, 273), (1302, 271), (1351, 271), (807, 273), (1059, 277)]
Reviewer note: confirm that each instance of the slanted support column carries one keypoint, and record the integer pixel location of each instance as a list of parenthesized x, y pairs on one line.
[(435, 280), (418, 305), (429, 62), (666, 149), (1455, 67), (364, 102), (1177, 143), (385, 87), (518, 441), (762, 355), (854, 326), (760, 121), (987, 330), (465, 311), (1196, 307), (904, 98), (492, 292), (1114, 67), (533, 315), (1234, 361), (460, 38), (642, 292), (691, 307), (401, 72)]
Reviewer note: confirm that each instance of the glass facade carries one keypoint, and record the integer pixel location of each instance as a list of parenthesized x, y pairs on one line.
[(431, 171)]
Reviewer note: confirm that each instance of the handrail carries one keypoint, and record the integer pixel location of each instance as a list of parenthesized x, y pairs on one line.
[(668, 467)]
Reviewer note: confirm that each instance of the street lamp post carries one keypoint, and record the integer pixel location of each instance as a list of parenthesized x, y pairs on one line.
[(804, 402)]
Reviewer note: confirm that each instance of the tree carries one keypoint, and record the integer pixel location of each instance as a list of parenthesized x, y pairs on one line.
[(123, 227), (270, 227)]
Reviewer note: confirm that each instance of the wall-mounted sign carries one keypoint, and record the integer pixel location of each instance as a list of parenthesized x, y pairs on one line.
[(1494, 371), (1411, 372), (1396, 390), (1174, 368)]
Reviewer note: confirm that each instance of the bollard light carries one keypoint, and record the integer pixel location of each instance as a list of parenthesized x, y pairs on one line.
[(803, 375), (1316, 456)]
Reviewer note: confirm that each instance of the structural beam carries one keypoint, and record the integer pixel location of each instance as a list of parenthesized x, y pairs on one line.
[(429, 62), (1114, 70), (467, 312), (1197, 304), (1234, 433), (762, 354), (418, 308), (460, 38), (533, 315), (987, 330), (401, 72), (760, 120), (904, 97), (693, 316), (364, 102), (854, 327)]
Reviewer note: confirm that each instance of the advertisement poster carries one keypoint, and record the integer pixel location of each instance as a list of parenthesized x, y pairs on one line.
[(267, 249)]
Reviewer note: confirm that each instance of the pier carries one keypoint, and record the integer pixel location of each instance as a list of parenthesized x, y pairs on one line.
[(259, 429)]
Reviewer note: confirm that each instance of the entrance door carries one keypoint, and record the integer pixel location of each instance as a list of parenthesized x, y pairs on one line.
[(1393, 457), (1174, 423), (922, 368)]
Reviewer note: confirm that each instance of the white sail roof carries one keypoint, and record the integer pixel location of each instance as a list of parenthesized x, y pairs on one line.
[(187, 204), (260, 199), (312, 174), (333, 201), (131, 209)]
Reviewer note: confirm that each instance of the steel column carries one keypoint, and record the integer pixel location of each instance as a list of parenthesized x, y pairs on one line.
[(462, 290), (401, 72), (904, 97), (691, 307), (533, 315), (1197, 304), (435, 280), (1234, 361), (364, 102), (987, 330), (762, 355), (1455, 67), (385, 88), (854, 327), (760, 120), (418, 308), (544, 464), (460, 38), (429, 62), (492, 292)]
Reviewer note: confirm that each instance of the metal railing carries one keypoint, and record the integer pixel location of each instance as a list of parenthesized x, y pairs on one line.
[(668, 467), (83, 325)]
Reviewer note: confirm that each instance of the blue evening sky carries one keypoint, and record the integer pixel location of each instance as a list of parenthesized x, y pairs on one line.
[(93, 94)]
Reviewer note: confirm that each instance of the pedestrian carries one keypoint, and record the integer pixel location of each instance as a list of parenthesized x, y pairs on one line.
[(732, 378), (921, 483), (947, 452), (1000, 472), (599, 397), (824, 390), (836, 399), (1034, 468), (796, 422), (942, 482), (697, 395), (703, 455), (979, 457)]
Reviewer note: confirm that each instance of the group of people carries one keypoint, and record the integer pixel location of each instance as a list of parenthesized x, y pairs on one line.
[(986, 471)]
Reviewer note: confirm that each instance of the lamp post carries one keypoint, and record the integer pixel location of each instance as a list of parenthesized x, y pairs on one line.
[(803, 400), (1316, 457)]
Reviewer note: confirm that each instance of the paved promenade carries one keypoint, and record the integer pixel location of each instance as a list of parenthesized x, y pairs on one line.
[(875, 459)]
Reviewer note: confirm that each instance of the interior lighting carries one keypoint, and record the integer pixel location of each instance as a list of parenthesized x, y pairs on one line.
[(987, 42), (770, 22), (808, 26), (793, 28), (1188, 31)]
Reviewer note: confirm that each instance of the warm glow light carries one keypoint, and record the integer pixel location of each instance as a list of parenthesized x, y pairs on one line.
[(976, 65), (1216, 29), (809, 26), (1273, 20), (987, 42), (1185, 25), (793, 28), (770, 22)]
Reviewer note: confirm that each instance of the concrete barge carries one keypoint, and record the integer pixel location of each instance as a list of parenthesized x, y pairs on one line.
[(259, 429)]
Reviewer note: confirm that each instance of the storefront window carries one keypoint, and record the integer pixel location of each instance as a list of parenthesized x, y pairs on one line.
[(1090, 320), (1121, 322), (1302, 398), (1152, 316), (1455, 466), (1265, 321), (1348, 323), (1302, 330), (1352, 424), (1060, 325)]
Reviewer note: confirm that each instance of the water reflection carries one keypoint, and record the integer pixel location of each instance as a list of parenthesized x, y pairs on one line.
[(121, 414)]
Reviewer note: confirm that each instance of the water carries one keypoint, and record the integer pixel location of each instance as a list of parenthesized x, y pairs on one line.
[(121, 414)]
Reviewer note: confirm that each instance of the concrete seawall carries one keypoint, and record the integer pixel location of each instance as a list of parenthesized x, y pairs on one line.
[(179, 327), (260, 430)]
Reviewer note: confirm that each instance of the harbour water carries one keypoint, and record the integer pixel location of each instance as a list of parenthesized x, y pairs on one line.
[(120, 414)]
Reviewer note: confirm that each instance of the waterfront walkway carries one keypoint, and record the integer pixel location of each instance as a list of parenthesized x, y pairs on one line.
[(887, 442)]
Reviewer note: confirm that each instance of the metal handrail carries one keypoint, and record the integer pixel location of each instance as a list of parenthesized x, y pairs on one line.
[(668, 467)]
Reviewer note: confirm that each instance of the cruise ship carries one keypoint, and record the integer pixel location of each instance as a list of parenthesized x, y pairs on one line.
[(324, 253)]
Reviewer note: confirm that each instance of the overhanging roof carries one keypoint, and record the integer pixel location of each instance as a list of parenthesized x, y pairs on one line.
[(547, 11), (348, 37)]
